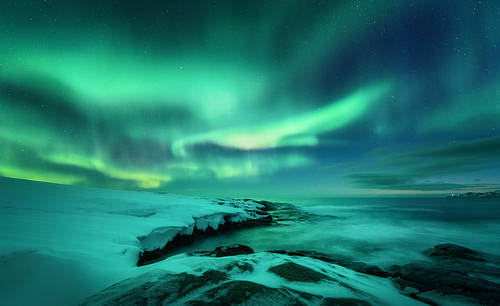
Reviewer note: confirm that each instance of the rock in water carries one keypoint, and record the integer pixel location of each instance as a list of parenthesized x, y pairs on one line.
[(453, 251), (230, 250), (455, 270)]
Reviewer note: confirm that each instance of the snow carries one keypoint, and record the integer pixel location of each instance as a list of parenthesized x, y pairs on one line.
[(100, 231), (345, 283), (447, 300)]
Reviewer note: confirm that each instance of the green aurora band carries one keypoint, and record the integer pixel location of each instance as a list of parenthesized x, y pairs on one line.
[(230, 98)]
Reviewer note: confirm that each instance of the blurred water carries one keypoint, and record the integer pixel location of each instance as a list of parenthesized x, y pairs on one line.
[(381, 231)]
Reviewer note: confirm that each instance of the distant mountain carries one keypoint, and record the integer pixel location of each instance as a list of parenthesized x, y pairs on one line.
[(489, 194)]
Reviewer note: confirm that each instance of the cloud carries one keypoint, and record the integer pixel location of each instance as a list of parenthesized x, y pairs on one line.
[(459, 157), (43, 95), (402, 182), (36, 100), (425, 167), (483, 149), (372, 180), (477, 110)]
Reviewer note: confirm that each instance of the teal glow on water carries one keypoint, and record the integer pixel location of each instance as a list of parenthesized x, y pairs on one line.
[(378, 231)]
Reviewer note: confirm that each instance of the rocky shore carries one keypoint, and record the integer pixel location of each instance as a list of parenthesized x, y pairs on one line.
[(261, 213), (181, 240), (92, 255), (235, 275)]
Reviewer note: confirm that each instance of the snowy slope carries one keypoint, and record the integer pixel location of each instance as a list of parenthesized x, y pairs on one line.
[(97, 232)]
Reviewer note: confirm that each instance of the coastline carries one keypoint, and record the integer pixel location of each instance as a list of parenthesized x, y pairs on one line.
[(66, 234)]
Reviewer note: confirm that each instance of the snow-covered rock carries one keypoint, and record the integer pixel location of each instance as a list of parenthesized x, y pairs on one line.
[(99, 231), (254, 279)]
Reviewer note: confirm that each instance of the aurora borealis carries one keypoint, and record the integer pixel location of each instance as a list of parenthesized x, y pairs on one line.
[(252, 97)]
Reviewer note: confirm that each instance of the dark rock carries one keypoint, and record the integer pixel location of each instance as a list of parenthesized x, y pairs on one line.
[(191, 282), (370, 269), (455, 270), (230, 250), (450, 251), (461, 258), (216, 287), (211, 288), (310, 298), (488, 195), (245, 292), (268, 206), (430, 277), (298, 273), (182, 240), (344, 302), (154, 288), (284, 211), (339, 260), (415, 296)]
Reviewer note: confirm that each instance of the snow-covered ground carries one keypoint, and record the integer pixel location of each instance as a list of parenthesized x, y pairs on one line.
[(60, 243)]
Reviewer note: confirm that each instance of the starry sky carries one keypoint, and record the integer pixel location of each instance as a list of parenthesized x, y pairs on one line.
[(252, 98)]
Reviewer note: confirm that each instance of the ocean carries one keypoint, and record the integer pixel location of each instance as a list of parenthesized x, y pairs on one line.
[(380, 231)]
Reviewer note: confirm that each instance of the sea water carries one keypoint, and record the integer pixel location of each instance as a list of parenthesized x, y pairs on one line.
[(381, 231)]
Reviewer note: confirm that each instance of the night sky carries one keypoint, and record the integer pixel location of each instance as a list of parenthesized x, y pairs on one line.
[(252, 98)]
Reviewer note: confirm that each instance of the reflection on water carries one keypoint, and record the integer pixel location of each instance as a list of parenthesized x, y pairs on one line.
[(377, 231)]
